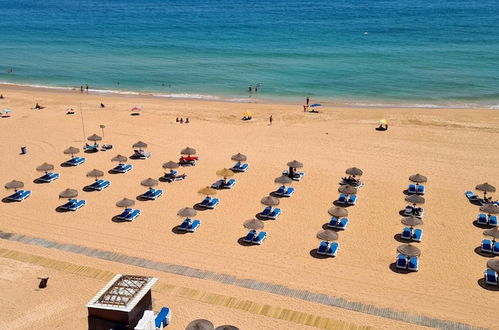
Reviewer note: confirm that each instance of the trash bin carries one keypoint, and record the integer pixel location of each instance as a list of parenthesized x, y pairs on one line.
[(23, 151)]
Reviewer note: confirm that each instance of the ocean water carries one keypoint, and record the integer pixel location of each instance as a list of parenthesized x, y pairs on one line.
[(416, 53)]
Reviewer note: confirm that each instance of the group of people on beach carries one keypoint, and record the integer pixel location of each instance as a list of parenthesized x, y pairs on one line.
[(182, 121)]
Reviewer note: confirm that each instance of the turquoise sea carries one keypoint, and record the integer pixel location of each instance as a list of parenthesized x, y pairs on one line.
[(414, 53)]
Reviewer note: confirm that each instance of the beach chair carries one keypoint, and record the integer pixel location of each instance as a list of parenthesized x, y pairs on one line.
[(486, 246), (417, 235), (249, 237), (401, 262), (260, 238), (69, 204), (280, 191), (238, 167), (342, 224), (133, 215), (471, 196), (218, 184), (323, 248), (352, 200), (152, 194), (91, 148), (193, 226), (205, 201), (409, 209), (296, 177), (333, 222), (490, 277), (126, 212), (274, 214), (99, 185), (106, 147), (288, 192), (342, 199), (418, 212), (48, 177), (122, 168), (185, 225), (141, 154), (73, 205), (406, 233), (495, 248), (20, 195), (163, 318), (420, 189), (214, 202), (482, 219), (266, 211), (229, 184), (333, 249), (493, 220), (75, 161), (413, 264), (412, 189)]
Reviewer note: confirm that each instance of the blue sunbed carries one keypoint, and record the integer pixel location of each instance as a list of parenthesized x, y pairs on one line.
[(420, 189), (342, 199), (486, 246), (406, 233), (289, 192), (323, 247), (75, 161), (417, 235), (122, 168), (260, 238), (214, 202), (413, 264), (205, 201), (352, 200), (333, 249), (48, 177), (495, 248), (249, 237), (193, 226), (70, 203), (412, 189), (333, 222), (342, 224), (152, 194), (73, 205), (230, 184), (401, 261), (238, 167), (266, 211), (491, 277), (274, 214), (129, 214), (99, 185), (471, 196), (163, 318), (482, 219), (280, 190), (409, 209), (493, 220), (19, 195), (185, 225)]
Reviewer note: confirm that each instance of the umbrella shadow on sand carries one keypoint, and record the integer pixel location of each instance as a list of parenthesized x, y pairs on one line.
[(478, 250), (479, 225), (325, 227), (177, 231), (398, 238), (315, 255), (393, 268), (481, 283), (59, 209), (198, 207)]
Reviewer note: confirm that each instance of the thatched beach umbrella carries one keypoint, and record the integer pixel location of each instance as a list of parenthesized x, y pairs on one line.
[(149, 182), (14, 184), (187, 212), (490, 209), (225, 172), (68, 193), (139, 145), (327, 235), (200, 324), (485, 187), (347, 189), (95, 174), (45, 167), (418, 178), (208, 191), (170, 165), (269, 201), (295, 164), (493, 264), (94, 138), (253, 224), (188, 151), (239, 157), (119, 158), (494, 232), (354, 171), (338, 212), (71, 151), (415, 199), (227, 327), (409, 250), (411, 221), (125, 202), (283, 180)]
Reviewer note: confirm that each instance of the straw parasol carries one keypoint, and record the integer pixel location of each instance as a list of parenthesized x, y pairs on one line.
[(347, 189), (411, 221), (171, 164), (239, 157), (253, 224), (409, 250), (338, 212), (493, 264), (207, 191), (187, 212), (94, 138), (485, 187), (149, 182), (490, 209), (295, 164), (119, 158), (125, 202), (415, 199), (283, 180), (227, 327), (494, 232), (68, 193), (71, 151), (225, 172), (45, 167), (200, 324), (354, 171), (139, 145), (418, 178), (188, 151), (14, 184), (95, 174), (327, 235), (269, 201)]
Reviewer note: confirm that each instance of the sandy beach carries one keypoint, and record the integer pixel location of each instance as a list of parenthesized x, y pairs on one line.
[(455, 148)]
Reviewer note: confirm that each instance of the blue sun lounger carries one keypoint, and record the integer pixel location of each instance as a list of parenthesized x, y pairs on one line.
[(273, 215), (333, 249), (129, 214), (323, 247), (417, 235), (280, 190), (214, 202), (266, 211), (471, 196), (48, 177), (412, 189), (342, 199), (249, 237), (152, 194), (401, 262), (238, 167), (482, 219), (189, 225), (337, 223), (493, 220), (185, 224), (229, 184), (260, 238), (352, 200), (122, 168), (73, 205), (486, 246), (495, 248), (75, 161), (413, 264), (205, 201), (19, 195), (420, 189), (99, 185), (284, 192), (406, 233), (490, 277), (163, 318)]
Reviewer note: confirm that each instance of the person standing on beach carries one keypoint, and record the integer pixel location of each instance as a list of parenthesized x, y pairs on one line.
[(308, 100), (81, 89), (86, 87), (250, 89), (270, 120)]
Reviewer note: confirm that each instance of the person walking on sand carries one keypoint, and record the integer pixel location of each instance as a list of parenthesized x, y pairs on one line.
[(270, 120), (1, 96), (86, 87), (308, 100), (81, 89)]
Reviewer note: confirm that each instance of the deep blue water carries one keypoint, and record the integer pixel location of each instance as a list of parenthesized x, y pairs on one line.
[(414, 52)]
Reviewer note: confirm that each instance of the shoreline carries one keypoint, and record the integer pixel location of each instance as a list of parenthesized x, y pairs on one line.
[(249, 101)]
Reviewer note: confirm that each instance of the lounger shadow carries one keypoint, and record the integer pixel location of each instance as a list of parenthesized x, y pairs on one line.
[(118, 220), (61, 210), (259, 217), (314, 254), (393, 267), (6, 200), (398, 238), (325, 227), (381, 129), (198, 207), (66, 165), (142, 199), (177, 231), (90, 151), (88, 189), (243, 243), (478, 250), (344, 205), (479, 225), (481, 282)]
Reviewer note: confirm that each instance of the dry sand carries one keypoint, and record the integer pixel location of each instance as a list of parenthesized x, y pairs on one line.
[(455, 148)]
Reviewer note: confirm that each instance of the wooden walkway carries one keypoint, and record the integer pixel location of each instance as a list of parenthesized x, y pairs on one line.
[(241, 282)]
